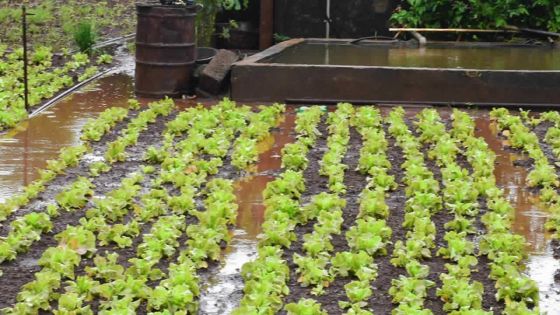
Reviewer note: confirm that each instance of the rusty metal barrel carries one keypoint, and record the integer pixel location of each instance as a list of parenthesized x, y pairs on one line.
[(165, 49)]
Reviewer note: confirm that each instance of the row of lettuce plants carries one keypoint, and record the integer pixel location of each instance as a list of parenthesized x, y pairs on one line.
[(45, 80), (326, 208), (82, 238), (120, 294), (245, 149), (458, 292), (27, 229), (370, 235), (505, 250), (267, 276), (422, 190)]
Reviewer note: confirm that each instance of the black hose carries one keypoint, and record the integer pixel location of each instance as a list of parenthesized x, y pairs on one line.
[(375, 37)]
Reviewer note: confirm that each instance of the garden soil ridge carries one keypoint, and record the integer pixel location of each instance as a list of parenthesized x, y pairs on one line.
[(380, 302)]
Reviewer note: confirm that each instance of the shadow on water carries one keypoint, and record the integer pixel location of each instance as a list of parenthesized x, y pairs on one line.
[(225, 287), (530, 215), (34, 141)]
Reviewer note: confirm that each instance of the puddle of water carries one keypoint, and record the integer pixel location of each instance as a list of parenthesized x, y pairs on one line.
[(225, 288), (541, 269), (503, 58), (34, 141), (251, 208), (530, 216)]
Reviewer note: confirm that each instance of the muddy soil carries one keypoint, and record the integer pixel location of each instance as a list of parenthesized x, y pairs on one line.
[(380, 302), (21, 271)]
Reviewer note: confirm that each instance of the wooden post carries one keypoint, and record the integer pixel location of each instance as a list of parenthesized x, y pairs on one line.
[(24, 40), (266, 28)]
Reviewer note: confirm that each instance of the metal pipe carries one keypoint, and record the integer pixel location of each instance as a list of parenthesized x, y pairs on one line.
[(328, 20), (532, 31), (108, 42), (24, 42), (66, 92), (375, 37), (451, 30), (422, 41)]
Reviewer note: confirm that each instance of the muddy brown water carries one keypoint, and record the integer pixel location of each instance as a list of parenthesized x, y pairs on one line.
[(530, 214), (224, 289), (503, 58), (31, 143)]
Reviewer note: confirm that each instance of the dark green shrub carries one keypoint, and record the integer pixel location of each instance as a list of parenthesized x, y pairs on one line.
[(542, 14), (84, 36)]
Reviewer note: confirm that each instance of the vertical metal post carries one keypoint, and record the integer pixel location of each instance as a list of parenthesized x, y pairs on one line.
[(328, 20), (24, 39)]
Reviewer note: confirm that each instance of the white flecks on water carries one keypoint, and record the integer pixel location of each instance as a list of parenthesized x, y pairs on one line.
[(224, 288)]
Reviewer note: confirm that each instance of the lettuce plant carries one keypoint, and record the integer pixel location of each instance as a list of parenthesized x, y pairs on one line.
[(305, 307)]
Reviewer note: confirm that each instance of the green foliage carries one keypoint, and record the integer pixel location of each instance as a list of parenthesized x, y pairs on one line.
[(305, 307), (62, 260), (206, 17), (72, 303), (542, 14), (313, 272), (105, 267), (458, 294), (76, 195), (133, 104), (104, 59), (357, 292), (84, 36), (99, 167), (369, 235), (359, 264), (77, 239), (88, 73)]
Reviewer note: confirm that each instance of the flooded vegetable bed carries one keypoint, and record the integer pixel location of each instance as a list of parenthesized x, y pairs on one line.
[(314, 207)]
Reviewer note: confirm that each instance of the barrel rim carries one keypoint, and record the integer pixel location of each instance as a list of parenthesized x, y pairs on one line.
[(172, 6), (165, 64), (165, 45), (167, 16), (160, 94)]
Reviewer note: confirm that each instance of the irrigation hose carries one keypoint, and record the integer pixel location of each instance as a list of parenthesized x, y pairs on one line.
[(79, 85), (67, 92)]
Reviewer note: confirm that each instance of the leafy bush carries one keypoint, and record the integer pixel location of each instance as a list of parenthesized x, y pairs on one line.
[(543, 14)]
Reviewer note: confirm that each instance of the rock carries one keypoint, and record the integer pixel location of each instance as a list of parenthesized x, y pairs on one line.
[(215, 74)]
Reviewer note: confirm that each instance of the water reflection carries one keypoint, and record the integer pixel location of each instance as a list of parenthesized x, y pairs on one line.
[(503, 58), (530, 216), (38, 139), (530, 213), (224, 290)]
